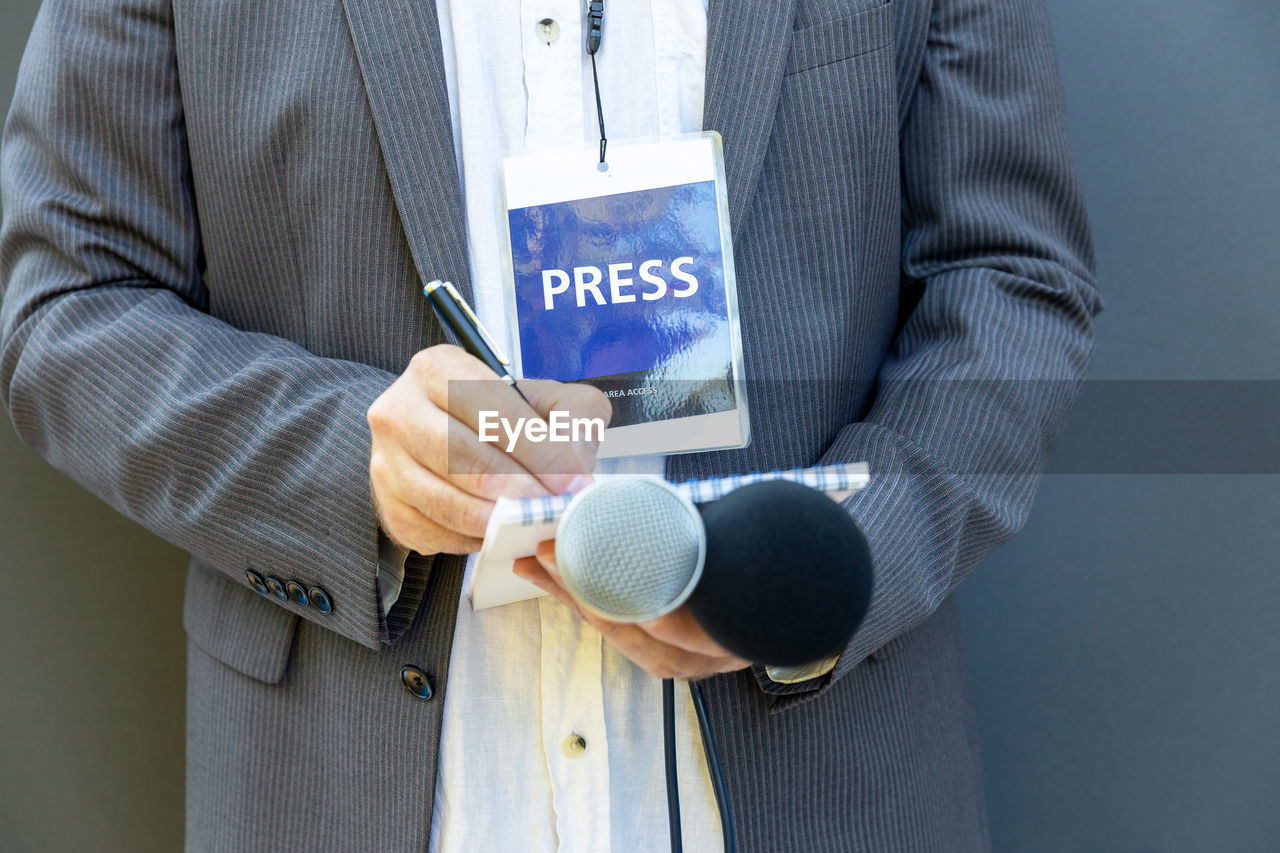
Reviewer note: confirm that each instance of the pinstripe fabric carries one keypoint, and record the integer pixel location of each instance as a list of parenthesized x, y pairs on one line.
[(217, 216)]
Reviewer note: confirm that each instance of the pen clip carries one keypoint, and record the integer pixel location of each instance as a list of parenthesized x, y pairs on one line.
[(462, 303)]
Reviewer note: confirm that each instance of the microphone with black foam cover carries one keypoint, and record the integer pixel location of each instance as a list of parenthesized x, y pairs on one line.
[(775, 572)]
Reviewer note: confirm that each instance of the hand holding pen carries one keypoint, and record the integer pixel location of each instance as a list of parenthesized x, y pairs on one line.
[(433, 480)]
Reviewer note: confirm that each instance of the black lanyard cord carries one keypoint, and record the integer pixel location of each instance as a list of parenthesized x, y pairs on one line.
[(595, 34)]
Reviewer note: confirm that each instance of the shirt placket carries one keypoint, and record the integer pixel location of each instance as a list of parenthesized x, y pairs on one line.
[(552, 72), (573, 729), (572, 693)]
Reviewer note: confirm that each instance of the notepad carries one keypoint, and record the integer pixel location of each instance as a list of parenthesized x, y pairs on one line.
[(518, 525)]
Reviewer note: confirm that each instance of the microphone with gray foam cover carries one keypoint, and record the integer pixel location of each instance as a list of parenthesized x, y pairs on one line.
[(630, 549), (776, 572)]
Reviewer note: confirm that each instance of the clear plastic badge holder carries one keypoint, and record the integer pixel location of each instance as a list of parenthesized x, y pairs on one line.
[(621, 276)]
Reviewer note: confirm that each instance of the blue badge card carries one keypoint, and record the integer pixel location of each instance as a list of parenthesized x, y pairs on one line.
[(622, 277)]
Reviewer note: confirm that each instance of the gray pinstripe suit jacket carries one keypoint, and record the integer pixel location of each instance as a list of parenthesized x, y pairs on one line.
[(217, 217)]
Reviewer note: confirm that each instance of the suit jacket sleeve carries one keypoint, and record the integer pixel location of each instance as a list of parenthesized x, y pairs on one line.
[(999, 298), (242, 448)]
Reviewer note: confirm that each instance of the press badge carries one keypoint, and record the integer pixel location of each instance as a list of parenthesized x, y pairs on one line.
[(622, 278)]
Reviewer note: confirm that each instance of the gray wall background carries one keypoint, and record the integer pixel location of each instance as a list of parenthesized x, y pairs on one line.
[(1124, 647)]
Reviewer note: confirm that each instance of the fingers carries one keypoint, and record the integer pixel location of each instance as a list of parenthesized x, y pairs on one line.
[(490, 409), (545, 554), (427, 537), (407, 482), (416, 507), (658, 658), (679, 628), (410, 528), (683, 650), (479, 468), (531, 570), (404, 417), (434, 481), (582, 400)]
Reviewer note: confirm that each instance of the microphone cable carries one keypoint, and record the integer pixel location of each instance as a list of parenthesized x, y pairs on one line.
[(712, 756), (713, 765), (669, 750)]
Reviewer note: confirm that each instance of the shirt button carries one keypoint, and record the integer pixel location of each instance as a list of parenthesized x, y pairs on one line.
[(547, 30), (573, 746)]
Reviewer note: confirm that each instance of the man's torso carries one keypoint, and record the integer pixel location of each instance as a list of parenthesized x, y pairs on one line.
[(326, 183)]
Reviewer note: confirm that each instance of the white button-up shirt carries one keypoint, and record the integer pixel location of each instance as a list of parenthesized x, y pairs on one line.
[(551, 739)]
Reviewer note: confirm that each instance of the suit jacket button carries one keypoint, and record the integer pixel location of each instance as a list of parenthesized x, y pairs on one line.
[(417, 682), (320, 599), (297, 592), (277, 588), (256, 581)]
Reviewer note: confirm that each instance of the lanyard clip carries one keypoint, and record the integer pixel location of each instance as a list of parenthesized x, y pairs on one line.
[(595, 23)]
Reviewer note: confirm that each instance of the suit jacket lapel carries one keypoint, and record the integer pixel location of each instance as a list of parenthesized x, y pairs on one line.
[(398, 49), (747, 46)]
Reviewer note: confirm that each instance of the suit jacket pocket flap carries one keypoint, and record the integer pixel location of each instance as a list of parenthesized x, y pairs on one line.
[(236, 625), (833, 41)]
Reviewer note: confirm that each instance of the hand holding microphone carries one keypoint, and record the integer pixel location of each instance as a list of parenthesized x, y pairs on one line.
[(672, 646), (774, 572)]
